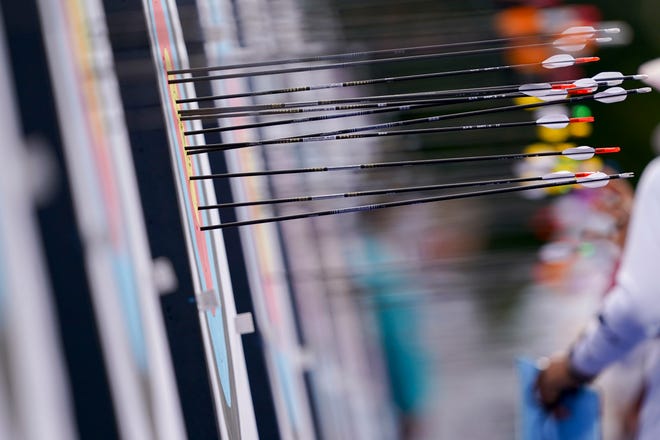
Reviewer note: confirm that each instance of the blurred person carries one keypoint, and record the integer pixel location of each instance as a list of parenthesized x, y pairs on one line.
[(597, 220), (390, 291), (629, 316), (623, 383)]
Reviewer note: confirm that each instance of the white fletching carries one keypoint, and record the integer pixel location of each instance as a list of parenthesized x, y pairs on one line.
[(611, 95), (582, 152), (554, 95), (587, 31), (596, 180), (557, 61), (571, 43), (553, 121), (563, 174), (543, 91), (560, 176), (612, 78), (586, 83), (535, 89)]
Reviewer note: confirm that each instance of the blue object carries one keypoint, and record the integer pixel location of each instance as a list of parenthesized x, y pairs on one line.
[(582, 423)]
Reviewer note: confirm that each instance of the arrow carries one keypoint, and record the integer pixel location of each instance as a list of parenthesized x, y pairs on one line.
[(549, 121), (546, 91), (594, 180), (553, 62), (551, 176), (386, 107), (576, 153), (590, 85), (614, 94), (558, 61), (616, 78), (584, 32), (539, 90)]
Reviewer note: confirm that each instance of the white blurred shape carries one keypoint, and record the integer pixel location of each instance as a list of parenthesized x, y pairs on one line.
[(652, 70)]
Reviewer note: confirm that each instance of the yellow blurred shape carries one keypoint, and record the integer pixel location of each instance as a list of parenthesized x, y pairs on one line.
[(524, 100), (580, 129), (553, 134)]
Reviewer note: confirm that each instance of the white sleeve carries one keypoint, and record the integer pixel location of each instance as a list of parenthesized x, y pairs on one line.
[(631, 311)]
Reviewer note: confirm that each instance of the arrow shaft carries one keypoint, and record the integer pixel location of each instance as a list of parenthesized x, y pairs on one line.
[(374, 192), (375, 165), (360, 99), (384, 108), (361, 54), (346, 64), (364, 82), (343, 137), (285, 111), (374, 206)]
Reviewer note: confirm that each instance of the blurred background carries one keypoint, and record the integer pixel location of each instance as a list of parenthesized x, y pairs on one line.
[(119, 318)]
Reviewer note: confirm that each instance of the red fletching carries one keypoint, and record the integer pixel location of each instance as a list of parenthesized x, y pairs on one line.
[(583, 60), (581, 91), (606, 150), (582, 119), (563, 86)]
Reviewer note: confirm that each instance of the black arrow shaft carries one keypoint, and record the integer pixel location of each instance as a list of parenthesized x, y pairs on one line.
[(416, 201), (375, 165), (363, 82), (346, 64), (387, 191), (344, 137), (358, 100), (361, 54), (388, 108)]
